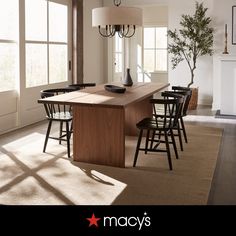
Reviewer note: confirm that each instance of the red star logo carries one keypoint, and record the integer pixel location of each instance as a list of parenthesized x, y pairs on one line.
[(93, 220)]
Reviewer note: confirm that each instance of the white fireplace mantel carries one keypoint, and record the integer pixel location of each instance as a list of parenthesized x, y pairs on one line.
[(224, 84)]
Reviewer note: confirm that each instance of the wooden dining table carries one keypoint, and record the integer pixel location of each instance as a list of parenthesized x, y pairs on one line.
[(102, 119)]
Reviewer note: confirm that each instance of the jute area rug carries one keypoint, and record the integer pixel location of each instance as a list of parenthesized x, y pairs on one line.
[(28, 176)]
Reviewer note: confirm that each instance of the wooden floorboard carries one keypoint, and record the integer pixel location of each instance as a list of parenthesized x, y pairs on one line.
[(223, 191)]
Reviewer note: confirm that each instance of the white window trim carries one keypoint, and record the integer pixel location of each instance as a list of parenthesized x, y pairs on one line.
[(47, 42), (154, 26), (20, 82)]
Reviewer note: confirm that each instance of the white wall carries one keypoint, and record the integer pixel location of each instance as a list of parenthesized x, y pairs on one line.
[(222, 11), (155, 15), (93, 46)]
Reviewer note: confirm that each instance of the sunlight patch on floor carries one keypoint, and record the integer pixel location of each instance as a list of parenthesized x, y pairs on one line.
[(34, 177)]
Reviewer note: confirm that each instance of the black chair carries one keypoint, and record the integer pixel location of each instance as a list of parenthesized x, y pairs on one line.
[(179, 125), (58, 113), (81, 86), (163, 125), (188, 93)]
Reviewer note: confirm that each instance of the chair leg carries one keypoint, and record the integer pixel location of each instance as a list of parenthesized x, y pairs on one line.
[(60, 134), (47, 135), (180, 136), (159, 135), (71, 128), (138, 146), (168, 150), (174, 144), (68, 138), (183, 128), (153, 136), (147, 140)]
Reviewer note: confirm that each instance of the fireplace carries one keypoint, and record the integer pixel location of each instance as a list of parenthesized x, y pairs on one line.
[(224, 84)]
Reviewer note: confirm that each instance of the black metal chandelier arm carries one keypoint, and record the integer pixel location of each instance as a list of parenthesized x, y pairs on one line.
[(127, 31), (121, 32), (104, 35), (111, 30), (117, 2), (134, 29), (124, 33)]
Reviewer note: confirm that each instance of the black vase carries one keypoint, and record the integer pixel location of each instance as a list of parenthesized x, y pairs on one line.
[(128, 80)]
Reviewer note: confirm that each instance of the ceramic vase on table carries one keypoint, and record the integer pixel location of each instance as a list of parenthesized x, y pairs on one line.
[(127, 80)]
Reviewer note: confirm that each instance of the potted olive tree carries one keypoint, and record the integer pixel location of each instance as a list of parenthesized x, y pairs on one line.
[(192, 40)]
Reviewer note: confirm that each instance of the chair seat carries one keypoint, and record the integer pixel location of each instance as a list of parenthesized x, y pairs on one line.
[(60, 116), (153, 124)]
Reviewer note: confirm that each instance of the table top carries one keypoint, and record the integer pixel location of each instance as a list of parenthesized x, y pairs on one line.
[(100, 97)]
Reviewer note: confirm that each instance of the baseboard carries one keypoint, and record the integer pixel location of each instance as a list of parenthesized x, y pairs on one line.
[(224, 116)]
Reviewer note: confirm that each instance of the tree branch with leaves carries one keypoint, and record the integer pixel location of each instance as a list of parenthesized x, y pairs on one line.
[(194, 39)]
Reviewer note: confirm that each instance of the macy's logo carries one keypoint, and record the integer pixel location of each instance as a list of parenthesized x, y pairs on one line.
[(122, 221)]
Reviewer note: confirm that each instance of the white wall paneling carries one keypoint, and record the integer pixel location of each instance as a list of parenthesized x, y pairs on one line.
[(8, 111)]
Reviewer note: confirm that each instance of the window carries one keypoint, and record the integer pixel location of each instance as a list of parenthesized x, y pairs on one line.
[(46, 38), (155, 49), (117, 58), (8, 44), (118, 54)]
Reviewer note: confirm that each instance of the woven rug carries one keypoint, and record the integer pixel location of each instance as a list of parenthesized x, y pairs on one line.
[(28, 176)]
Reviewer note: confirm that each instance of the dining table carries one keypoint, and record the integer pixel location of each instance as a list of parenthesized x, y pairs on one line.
[(102, 119)]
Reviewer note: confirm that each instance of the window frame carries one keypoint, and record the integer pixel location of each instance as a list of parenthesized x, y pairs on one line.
[(14, 42), (20, 42), (117, 76), (48, 43), (118, 52), (155, 49)]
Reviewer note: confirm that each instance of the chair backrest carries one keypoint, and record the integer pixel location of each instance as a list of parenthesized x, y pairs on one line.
[(53, 108), (81, 86), (53, 92), (179, 106), (171, 107), (188, 93), (186, 96)]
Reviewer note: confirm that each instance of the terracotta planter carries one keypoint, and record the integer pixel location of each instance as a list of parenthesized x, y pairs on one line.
[(194, 99)]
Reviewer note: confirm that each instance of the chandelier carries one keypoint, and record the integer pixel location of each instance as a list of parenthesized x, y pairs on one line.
[(117, 19)]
